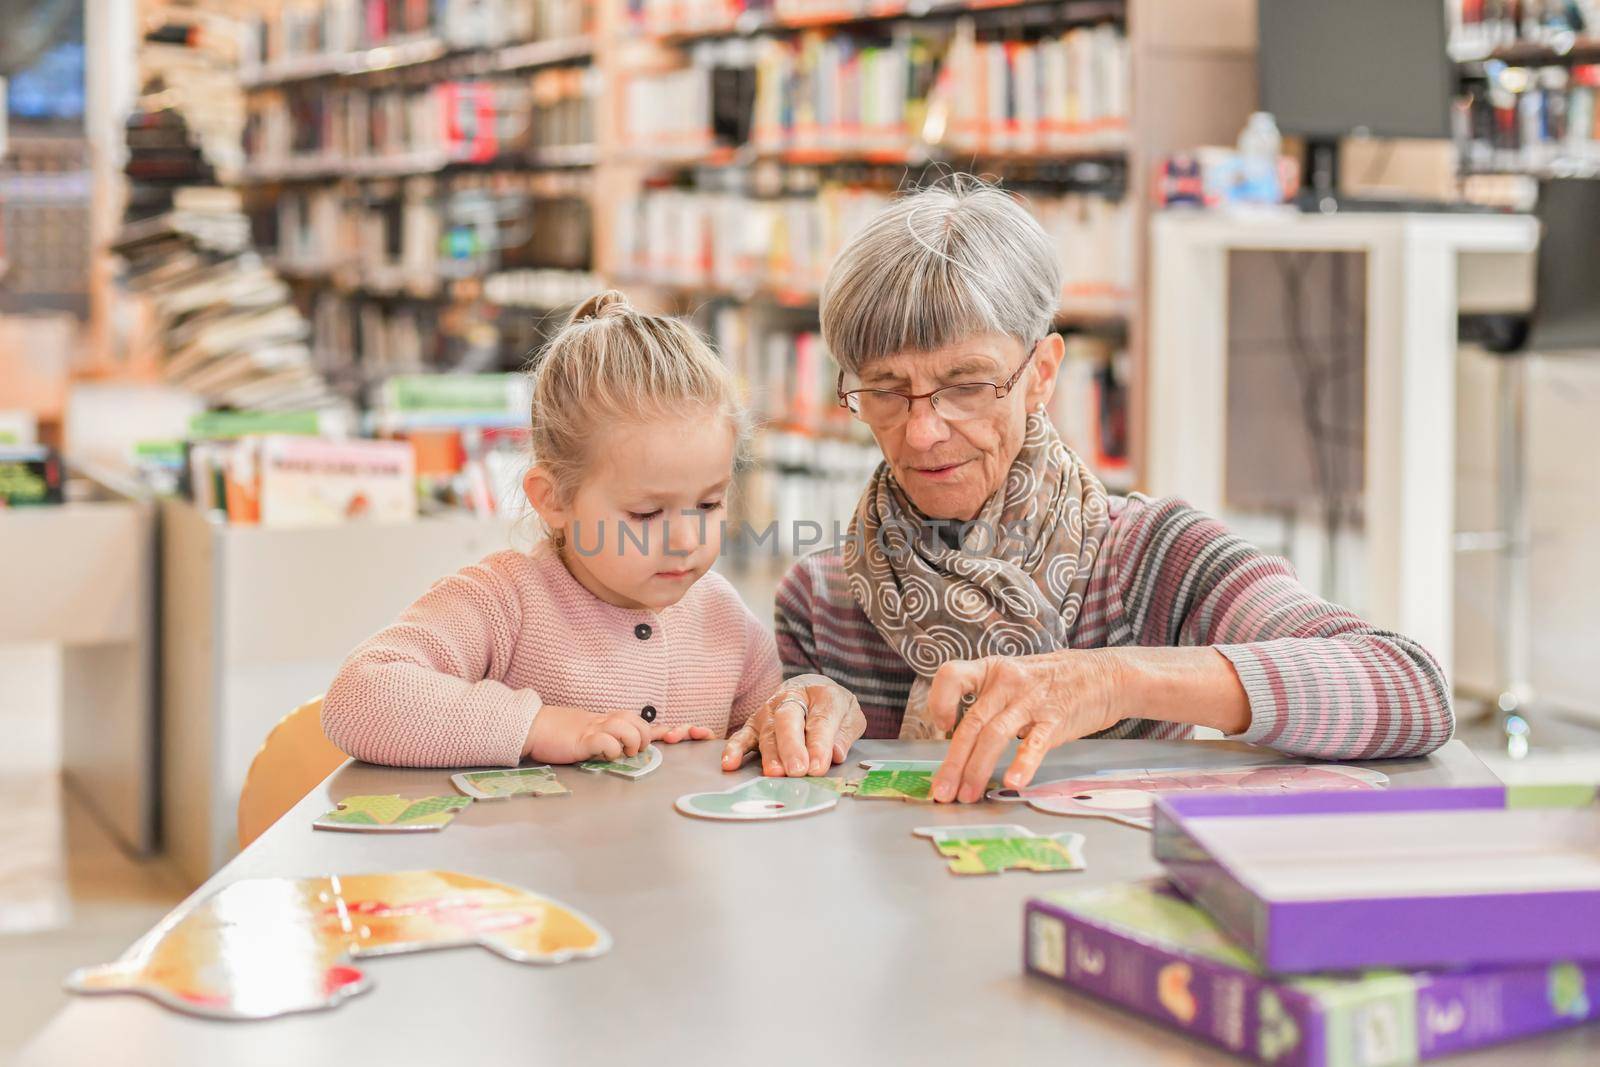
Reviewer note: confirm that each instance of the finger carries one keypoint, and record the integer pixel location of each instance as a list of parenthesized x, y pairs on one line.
[(671, 735), (1039, 740), (789, 727), (850, 731), (739, 746), (771, 765), (627, 732), (1000, 731), (667, 734), (951, 682), (604, 746), (988, 703), (821, 726)]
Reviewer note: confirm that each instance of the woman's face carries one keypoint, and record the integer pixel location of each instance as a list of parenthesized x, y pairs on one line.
[(949, 468)]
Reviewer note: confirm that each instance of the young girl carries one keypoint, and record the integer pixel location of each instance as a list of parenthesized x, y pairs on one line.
[(612, 632)]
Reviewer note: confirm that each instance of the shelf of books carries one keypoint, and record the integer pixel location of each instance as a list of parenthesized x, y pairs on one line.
[(757, 136), (421, 175), (420, 189), (1530, 75)]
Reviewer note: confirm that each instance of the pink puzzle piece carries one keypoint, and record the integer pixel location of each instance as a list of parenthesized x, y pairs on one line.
[(1124, 796)]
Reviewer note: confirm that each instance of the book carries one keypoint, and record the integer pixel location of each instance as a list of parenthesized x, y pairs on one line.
[(1146, 948), (307, 481), (227, 329), (416, 401), (1313, 881), (29, 474)]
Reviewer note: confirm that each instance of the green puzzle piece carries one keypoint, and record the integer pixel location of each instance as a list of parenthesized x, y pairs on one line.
[(392, 813), (512, 782), (631, 767), (992, 849), (895, 785), (898, 780), (843, 786)]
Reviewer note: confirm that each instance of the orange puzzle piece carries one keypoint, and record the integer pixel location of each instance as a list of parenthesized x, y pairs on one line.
[(269, 946)]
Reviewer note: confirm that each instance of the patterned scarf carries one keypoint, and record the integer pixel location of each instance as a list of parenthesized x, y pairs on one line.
[(933, 602)]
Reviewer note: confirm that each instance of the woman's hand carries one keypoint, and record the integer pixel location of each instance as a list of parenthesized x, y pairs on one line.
[(572, 735), (1045, 700), (806, 727)]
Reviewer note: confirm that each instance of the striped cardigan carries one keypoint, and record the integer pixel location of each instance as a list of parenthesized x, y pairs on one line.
[(1321, 682)]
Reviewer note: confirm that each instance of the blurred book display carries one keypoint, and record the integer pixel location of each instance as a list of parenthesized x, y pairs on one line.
[(438, 441), (288, 481), (29, 474), (372, 132), (925, 90), (425, 187), (228, 329), (1529, 80), (416, 170), (742, 243), (769, 133)]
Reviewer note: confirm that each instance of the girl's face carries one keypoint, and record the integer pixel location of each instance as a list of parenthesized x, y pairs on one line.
[(646, 521)]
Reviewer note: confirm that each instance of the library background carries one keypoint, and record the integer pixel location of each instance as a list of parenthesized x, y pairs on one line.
[(271, 274)]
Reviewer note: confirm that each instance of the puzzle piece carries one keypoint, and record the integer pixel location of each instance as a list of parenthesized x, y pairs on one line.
[(392, 814), (897, 780), (910, 779), (761, 798), (262, 947), (630, 767), (991, 849), (845, 787), (1125, 796), (514, 782)]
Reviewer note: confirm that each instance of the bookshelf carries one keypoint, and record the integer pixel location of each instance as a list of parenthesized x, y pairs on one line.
[(394, 220), (1530, 83), (421, 175), (1184, 75)]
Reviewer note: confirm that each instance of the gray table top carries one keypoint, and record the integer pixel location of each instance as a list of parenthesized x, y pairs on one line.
[(835, 936)]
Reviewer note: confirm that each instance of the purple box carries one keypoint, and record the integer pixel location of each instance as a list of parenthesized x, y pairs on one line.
[(1403, 878), (1143, 946)]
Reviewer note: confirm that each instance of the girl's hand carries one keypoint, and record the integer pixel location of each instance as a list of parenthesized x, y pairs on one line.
[(572, 735), (683, 733), (806, 727)]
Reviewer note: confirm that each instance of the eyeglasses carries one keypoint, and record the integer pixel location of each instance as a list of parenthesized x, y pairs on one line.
[(968, 400)]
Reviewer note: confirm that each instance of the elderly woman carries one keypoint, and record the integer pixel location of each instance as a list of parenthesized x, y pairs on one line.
[(991, 585)]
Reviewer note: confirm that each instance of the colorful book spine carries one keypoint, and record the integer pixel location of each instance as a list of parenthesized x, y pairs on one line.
[(1146, 948)]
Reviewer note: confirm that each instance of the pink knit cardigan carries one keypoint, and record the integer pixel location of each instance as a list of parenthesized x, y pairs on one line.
[(457, 681)]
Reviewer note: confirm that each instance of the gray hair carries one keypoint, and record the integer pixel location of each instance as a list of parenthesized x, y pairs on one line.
[(944, 263)]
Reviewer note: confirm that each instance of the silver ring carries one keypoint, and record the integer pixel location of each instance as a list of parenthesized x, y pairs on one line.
[(805, 709)]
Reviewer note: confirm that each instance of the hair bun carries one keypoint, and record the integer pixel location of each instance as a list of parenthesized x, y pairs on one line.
[(601, 305)]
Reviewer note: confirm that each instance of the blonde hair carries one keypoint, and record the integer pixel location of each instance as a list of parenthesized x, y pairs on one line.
[(958, 258), (612, 364)]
